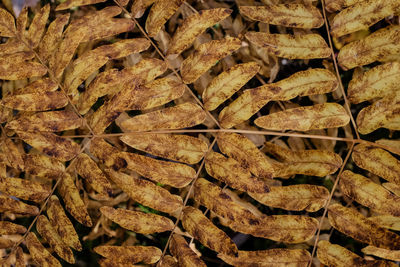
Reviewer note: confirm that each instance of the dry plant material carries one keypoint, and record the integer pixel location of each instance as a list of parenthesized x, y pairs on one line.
[(291, 15), (150, 120)]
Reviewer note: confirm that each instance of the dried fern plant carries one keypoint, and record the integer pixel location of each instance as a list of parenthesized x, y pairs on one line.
[(200, 133)]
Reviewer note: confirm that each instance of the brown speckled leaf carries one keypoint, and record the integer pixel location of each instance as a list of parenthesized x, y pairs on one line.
[(383, 113), (88, 169), (289, 15), (193, 26), (9, 228), (306, 46), (375, 83), (150, 194), (383, 42), (246, 153), (294, 197), (24, 189), (369, 194), (377, 161), (39, 253), (165, 172), (7, 24), (180, 249), (278, 257), (177, 117), (334, 255), (361, 15), (73, 201), (43, 166), (52, 145), (227, 83), (203, 230), (307, 162), (37, 101), (15, 206), (46, 230), (320, 116), (182, 148), (229, 171), (211, 196), (52, 121), (130, 254), (62, 224), (354, 224), (75, 3), (112, 81), (159, 13), (137, 221), (205, 56)]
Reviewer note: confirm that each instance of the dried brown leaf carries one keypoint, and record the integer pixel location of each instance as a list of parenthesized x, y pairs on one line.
[(7, 24), (62, 224), (159, 13), (246, 153), (185, 255), (46, 230), (320, 116), (278, 257), (73, 201), (13, 155), (384, 113), (338, 256), (15, 206), (377, 82), (377, 161), (53, 35), (39, 253), (38, 26), (369, 194), (19, 66), (227, 83), (289, 15), (165, 172), (156, 93), (336, 5), (130, 254), (245, 106), (150, 194), (89, 170), (393, 255), (75, 3), (38, 101), (387, 221), (205, 56), (306, 46), (137, 221), (177, 117), (42, 166), (354, 224), (193, 26), (61, 148), (229, 171), (183, 148), (94, 59), (294, 197), (203, 230), (24, 189), (361, 15), (9, 228), (112, 80), (52, 121), (383, 42), (140, 6), (212, 197)]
